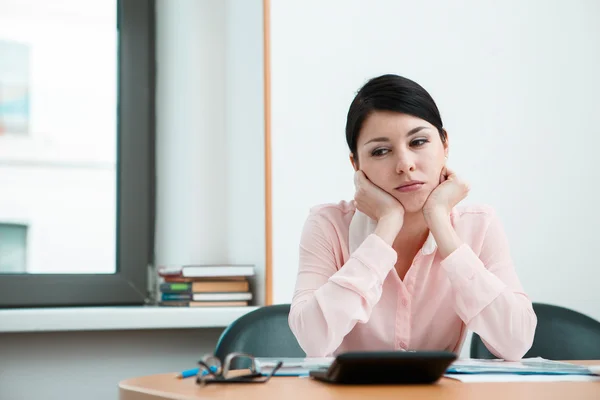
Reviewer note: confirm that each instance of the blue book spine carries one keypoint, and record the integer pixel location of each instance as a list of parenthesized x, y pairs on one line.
[(176, 296)]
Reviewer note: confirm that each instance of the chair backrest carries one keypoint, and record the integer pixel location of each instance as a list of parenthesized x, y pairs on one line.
[(561, 334), (264, 332)]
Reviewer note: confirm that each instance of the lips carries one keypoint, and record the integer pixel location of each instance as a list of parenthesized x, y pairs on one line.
[(410, 186)]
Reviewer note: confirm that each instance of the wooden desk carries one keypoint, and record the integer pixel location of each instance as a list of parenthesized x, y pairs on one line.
[(165, 386)]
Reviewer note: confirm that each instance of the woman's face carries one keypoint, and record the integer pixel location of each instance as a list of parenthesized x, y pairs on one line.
[(403, 155)]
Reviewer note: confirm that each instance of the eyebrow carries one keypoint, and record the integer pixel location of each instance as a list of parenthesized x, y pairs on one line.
[(413, 131)]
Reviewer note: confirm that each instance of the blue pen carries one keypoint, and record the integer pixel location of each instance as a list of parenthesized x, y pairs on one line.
[(194, 371)]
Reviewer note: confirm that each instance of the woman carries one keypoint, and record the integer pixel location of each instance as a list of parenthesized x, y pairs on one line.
[(401, 267)]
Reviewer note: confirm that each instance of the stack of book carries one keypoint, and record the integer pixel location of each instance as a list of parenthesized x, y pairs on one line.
[(205, 285)]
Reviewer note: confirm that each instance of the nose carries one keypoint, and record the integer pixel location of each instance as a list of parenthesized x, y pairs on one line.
[(405, 163)]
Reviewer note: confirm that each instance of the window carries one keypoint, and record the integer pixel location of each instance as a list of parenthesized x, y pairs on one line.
[(76, 151), (13, 248), (14, 87)]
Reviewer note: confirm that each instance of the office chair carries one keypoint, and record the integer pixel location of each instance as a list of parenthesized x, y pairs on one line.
[(262, 333), (561, 334)]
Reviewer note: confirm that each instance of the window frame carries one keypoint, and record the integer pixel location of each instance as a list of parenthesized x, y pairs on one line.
[(135, 179)]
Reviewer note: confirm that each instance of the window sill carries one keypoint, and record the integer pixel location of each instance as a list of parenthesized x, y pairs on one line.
[(117, 318)]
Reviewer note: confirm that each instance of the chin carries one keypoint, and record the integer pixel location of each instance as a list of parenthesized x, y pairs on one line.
[(413, 208), (412, 204)]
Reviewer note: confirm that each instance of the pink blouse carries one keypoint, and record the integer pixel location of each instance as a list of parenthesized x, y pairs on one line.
[(354, 300)]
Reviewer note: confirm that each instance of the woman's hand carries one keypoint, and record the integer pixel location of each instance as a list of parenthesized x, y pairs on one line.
[(448, 194), (380, 206), (440, 202)]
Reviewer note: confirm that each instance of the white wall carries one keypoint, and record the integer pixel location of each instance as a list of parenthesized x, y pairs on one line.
[(190, 137), (245, 136), (210, 134), (517, 86)]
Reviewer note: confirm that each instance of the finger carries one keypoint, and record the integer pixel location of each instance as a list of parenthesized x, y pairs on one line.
[(449, 172), (357, 177), (443, 175), (362, 181)]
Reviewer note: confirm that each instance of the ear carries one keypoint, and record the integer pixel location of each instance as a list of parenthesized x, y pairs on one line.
[(446, 143), (353, 162)]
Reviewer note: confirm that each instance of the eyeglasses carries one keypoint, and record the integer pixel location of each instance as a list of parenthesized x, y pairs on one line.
[(211, 370)]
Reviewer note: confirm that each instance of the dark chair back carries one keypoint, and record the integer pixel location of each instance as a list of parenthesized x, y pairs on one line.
[(264, 332), (561, 334)]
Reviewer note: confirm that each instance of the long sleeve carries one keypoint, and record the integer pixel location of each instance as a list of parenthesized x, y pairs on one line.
[(489, 297), (328, 302)]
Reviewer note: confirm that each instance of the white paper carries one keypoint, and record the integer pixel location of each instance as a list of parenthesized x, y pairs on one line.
[(526, 366), (292, 366), (594, 368), (477, 378)]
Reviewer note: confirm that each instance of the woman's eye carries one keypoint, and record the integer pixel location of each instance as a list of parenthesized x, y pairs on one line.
[(418, 142), (379, 152)]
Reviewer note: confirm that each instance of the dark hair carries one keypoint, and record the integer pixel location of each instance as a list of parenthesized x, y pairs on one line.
[(390, 93)]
